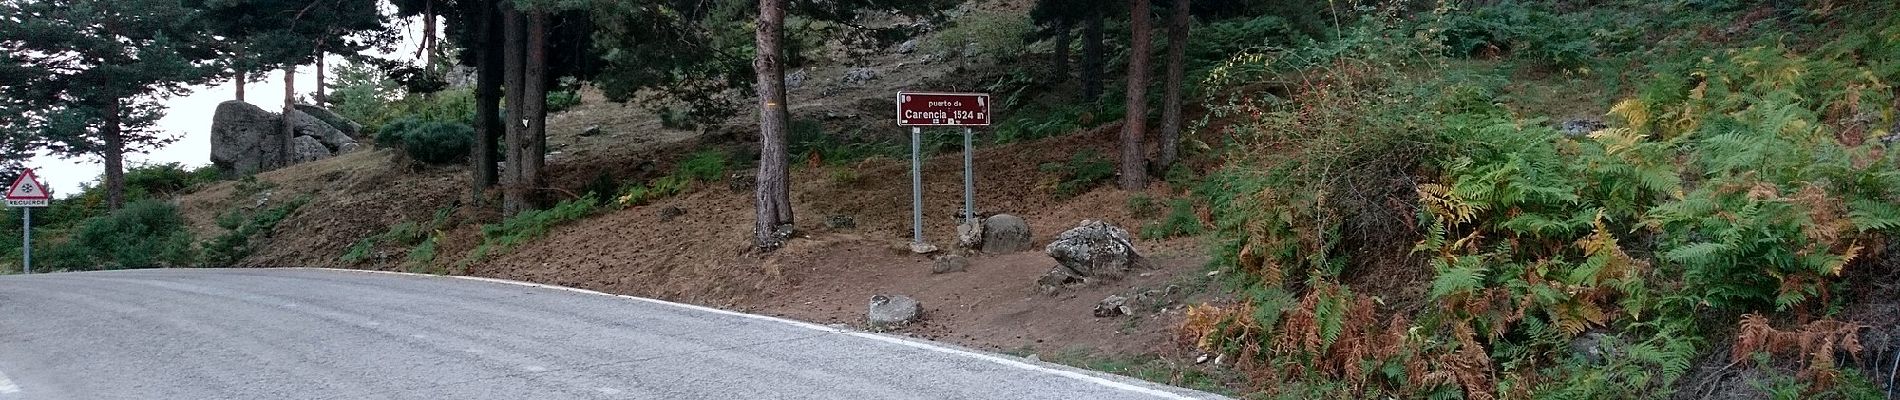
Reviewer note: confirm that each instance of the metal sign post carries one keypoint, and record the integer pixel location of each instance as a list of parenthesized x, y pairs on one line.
[(916, 186), (26, 241), (969, 176), (920, 109), (26, 193)]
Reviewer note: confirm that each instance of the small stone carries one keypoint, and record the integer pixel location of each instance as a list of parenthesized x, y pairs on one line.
[(837, 222), (907, 47), (923, 248), (1004, 234), (1055, 280), (970, 234), (670, 212), (891, 311), (950, 263), (796, 79), (592, 130), (1581, 126), (856, 76), (1033, 357), (1114, 305)]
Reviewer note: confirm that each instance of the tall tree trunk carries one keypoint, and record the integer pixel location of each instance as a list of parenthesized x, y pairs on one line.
[(535, 109), (774, 203), (290, 88), (241, 78), (1065, 29), (488, 83), (1177, 74), (286, 132), (321, 98), (514, 59), (428, 38), (1092, 57), (1133, 165), (114, 155)]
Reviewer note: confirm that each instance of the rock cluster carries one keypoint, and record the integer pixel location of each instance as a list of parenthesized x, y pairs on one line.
[(246, 139)]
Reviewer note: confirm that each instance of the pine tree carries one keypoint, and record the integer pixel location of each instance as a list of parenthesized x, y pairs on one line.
[(85, 76), (1134, 173)]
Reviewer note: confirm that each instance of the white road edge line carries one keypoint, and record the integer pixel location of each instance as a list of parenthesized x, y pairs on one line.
[(7, 386), (873, 336)]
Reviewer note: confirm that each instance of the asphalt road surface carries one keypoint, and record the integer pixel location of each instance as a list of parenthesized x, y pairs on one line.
[(327, 334)]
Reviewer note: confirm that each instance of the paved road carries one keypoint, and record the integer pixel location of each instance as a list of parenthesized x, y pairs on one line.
[(325, 334)]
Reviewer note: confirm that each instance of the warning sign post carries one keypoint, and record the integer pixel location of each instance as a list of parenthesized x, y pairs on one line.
[(26, 193)]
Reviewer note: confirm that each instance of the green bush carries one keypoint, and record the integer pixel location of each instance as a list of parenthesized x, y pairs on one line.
[(1515, 29), (704, 166), (995, 35), (428, 141), (1181, 221), (144, 234), (164, 180), (561, 100)]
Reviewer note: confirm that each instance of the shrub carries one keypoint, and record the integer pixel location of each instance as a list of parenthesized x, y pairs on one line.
[(164, 180), (144, 234), (1181, 221), (429, 142), (1514, 29), (704, 166), (990, 34)]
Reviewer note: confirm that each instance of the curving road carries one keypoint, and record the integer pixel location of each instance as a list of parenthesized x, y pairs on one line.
[(327, 334)]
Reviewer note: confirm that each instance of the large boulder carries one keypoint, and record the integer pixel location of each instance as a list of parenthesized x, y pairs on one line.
[(303, 124), (348, 127), (245, 139), (891, 311), (1094, 249), (305, 149), (1004, 233)]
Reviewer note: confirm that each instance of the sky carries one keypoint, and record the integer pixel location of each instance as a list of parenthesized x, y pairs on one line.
[(188, 118)]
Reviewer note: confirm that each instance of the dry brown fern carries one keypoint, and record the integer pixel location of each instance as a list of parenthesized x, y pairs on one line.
[(1814, 345)]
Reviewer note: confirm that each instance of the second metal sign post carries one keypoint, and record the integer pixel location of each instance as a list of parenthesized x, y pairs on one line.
[(920, 109)]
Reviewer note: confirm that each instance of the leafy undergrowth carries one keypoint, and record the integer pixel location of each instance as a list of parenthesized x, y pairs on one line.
[(1740, 174)]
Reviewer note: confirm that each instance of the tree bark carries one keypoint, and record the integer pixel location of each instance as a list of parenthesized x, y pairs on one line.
[(514, 49), (428, 38), (285, 132), (322, 98), (114, 155), (1177, 73), (774, 205), (241, 77), (488, 83), (1133, 164), (1065, 29), (1092, 57), (535, 109), (290, 88)]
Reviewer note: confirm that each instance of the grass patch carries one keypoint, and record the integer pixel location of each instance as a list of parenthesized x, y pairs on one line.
[(500, 238), (242, 229)]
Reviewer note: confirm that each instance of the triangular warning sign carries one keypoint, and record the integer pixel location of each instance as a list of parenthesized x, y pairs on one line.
[(27, 188)]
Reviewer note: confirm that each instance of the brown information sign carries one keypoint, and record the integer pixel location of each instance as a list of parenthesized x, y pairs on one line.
[(943, 109)]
